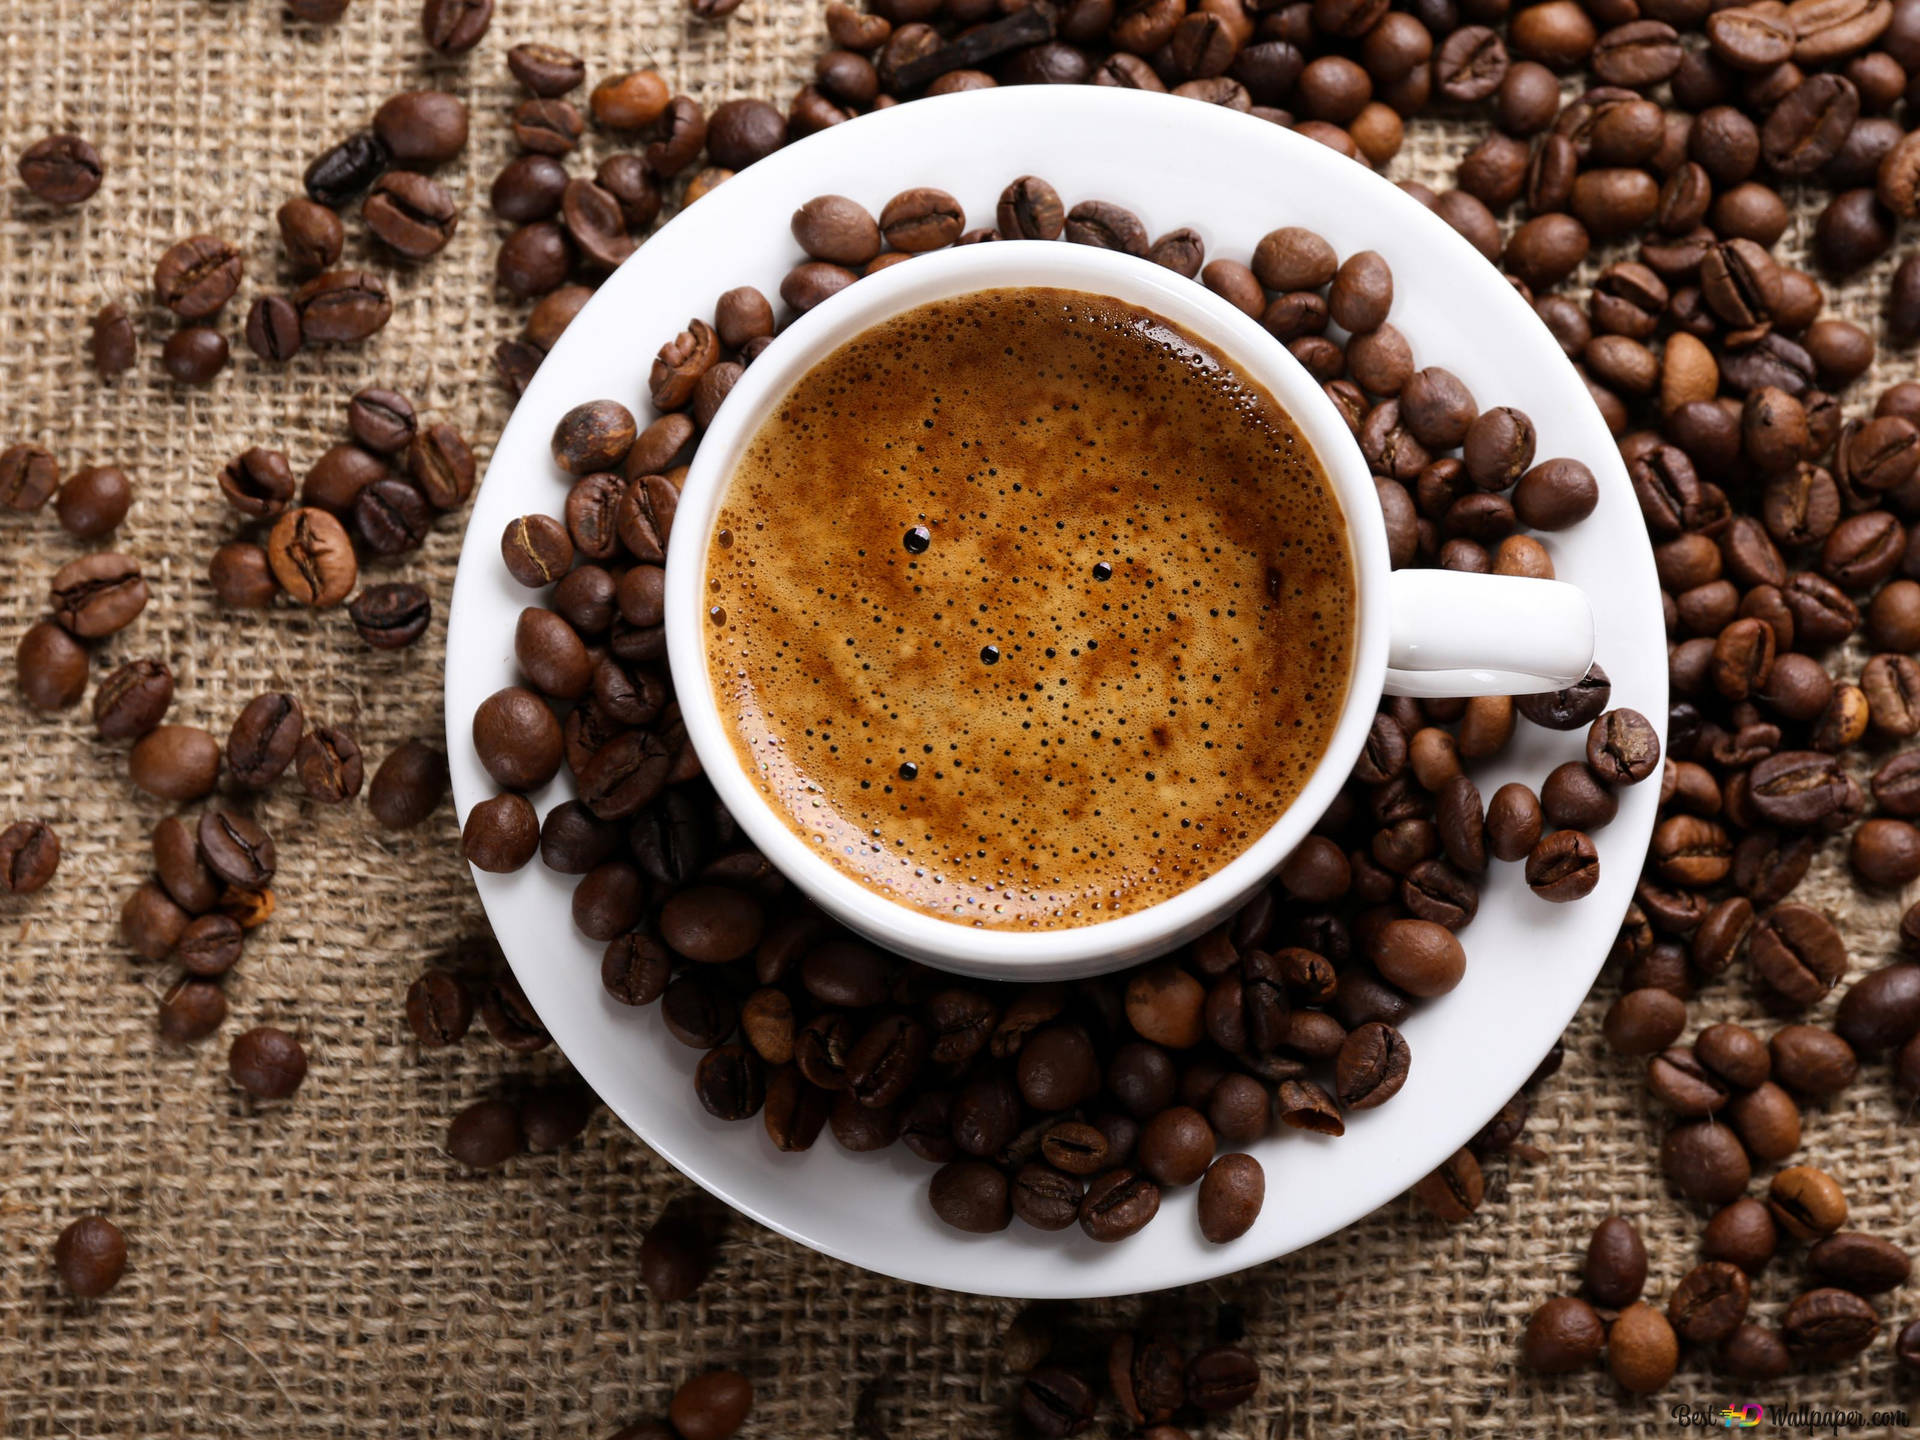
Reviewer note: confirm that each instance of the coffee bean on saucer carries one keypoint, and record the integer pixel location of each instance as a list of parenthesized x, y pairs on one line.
[(501, 833), (1231, 1194)]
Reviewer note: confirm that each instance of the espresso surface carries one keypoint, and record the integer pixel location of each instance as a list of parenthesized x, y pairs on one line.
[(1028, 609)]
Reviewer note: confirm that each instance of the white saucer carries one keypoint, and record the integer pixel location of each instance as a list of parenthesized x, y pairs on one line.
[(1232, 178)]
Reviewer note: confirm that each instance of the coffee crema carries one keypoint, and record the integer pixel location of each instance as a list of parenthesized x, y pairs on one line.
[(1028, 609)]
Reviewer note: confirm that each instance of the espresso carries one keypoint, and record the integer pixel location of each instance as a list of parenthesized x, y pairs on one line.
[(1028, 609)]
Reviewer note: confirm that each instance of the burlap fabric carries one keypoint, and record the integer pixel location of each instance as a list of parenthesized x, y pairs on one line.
[(320, 1267)]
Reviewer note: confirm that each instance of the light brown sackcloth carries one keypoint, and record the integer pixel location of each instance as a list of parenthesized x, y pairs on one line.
[(320, 1268)]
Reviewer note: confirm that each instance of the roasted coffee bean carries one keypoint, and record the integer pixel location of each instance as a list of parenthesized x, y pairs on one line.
[(1371, 1067), (1574, 796), (1734, 1053), (1796, 954), (501, 834), (267, 1063), (342, 306), (197, 276), (486, 1134), (546, 70), (195, 355), (62, 169), (391, 616), (409, 785), (263, 739), (1881, 1010), (1806, 1202), (28, 477), (90, 1256), (1642, 1351), (191, 1010), (421, 127), (415, 215), (1118, 1204), (1616, 1266), (972, 1195), (311, 557), (91, 502), (98, 594), (1563, 1335), (537, 550), (1221, 1378), (1811, 1061), (1419, 957), (1644, 1021), (730, 1082), (674, 1260), (1454, 1191), (236, 850), (336, 175), (547, 126), (182, 871), (1231, 1194), (1622, 747), (1563, 866), (439, 1009), (1823, 1327), (29, 854), (111, 346), (1742, 1233), (923, 219), (175, 762), (209, 945), (1798, 789), (258, 483), (1045, 1198), (391, 517), (1705, 1161), (1574, 708), (336, 479), (454, 27), (150, 923), (132, 700)]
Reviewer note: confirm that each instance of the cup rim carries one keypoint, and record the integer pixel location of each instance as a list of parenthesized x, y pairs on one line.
[(979, 950)]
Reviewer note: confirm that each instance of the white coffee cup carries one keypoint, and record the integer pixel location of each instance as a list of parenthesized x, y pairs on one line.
[(1417, 632)]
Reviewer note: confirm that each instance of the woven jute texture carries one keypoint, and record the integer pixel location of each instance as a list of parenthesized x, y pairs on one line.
[(320, 1267)]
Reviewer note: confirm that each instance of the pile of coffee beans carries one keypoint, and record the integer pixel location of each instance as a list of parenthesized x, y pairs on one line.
[(1782, 525), (1059, 1104), (375, 495), (1829, 1321)]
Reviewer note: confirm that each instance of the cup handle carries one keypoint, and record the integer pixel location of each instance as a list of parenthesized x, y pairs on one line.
[(1455, 634)]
